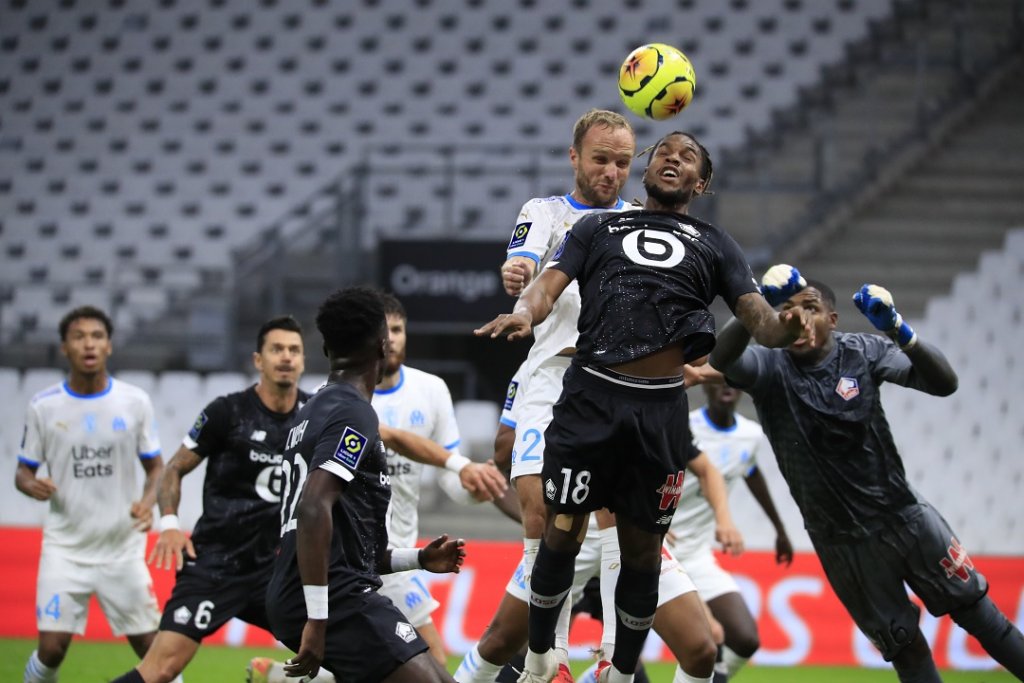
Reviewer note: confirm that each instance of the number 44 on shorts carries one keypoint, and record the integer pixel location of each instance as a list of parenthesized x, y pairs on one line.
[(575, 487)]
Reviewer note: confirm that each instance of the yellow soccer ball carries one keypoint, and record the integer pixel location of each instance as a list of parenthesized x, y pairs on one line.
[(656, 81)]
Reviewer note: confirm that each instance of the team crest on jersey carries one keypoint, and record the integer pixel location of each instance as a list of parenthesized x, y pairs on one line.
[(848, 388), (510, 395), (118, 424), (416, 419), (519, 235), (89, 422), (350, 448), (197, 426), (405, 631)]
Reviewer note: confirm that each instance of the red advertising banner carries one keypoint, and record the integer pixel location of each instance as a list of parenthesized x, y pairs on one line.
[(800, 619)]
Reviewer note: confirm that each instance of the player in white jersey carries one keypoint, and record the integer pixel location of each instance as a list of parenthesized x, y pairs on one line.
[(734, 444), (90, 432), (415, 401)]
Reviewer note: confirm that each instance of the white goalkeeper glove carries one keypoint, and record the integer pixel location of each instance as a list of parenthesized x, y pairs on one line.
[(876, 304), (780, 283)]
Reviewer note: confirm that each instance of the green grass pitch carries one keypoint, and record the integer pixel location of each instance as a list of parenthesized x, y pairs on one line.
[(100, 662)]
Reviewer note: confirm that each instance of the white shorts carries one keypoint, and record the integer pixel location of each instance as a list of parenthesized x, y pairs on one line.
[(672, 583), (711, 580), (410, 595), (124, 589), (532, 413)]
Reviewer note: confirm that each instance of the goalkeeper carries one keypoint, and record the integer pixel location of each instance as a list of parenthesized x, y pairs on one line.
[(819, 403)]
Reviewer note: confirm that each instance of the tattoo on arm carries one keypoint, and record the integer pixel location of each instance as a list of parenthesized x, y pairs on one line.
[(169, 493)]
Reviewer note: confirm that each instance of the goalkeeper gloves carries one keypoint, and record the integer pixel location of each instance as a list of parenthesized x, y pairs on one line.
[(780, 283), (877, 306)]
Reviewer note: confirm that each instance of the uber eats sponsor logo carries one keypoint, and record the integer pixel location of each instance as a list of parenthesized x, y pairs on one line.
[(91, 462)]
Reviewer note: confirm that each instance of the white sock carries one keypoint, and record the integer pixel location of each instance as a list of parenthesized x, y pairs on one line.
[(476, 669), (37, 672), (181, 679), (562, 633), (610, 564), (530, 548), (683, 677), (616, 676), (733, 662)]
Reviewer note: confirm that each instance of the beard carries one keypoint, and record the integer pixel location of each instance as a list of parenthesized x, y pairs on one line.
[(668, 197)]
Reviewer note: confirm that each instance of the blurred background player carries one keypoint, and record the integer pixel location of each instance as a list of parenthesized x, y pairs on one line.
[(223, 570), (90, 431), (601, 155), (734, 444), (322, 600), (418, 402), (644, 298), (819, 403)]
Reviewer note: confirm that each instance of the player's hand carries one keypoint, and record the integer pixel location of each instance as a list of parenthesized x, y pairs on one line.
[(41, 488), (781, 282), (876, 304), (168, 553), (142, 515), (799, 323), (442, 556), (483, 481), (311, 650), (703, 374), (783, 550), (516, 273), (514, 325), (730, 538), (670, 538)]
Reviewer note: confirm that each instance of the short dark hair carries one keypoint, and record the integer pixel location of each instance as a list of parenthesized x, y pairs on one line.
[(707, 169), (284, 322), (89, 312), (351, 319), (827, 295), (392, 306)]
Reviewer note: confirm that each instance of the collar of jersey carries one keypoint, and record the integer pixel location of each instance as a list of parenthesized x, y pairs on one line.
[(707, 418), (401, 381), (586, 207), (71, 392)]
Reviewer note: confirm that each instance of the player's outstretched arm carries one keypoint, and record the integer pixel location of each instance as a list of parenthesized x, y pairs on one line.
[(531, 309), (142, 509), (440, 556), (26, 481), (516, 273), (712, 485), (758, 486), (931, 371), (482, 481), (173, 544)]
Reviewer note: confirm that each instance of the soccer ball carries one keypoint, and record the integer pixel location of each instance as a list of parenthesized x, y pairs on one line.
[(656, 81)]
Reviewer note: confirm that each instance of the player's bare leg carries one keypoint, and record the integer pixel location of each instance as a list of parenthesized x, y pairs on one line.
[(683, 624), (428, 632), (141, 642), (420, 669), (43, 664), (741, 638), (167, 657)]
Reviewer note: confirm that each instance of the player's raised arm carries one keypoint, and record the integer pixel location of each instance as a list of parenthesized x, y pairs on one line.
[(483, 482), (531, 309), (173, 544), (440, 556)]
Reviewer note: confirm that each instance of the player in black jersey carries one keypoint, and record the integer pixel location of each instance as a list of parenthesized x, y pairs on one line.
[(223, 569), (820, 406), (620, 429), (322, 600)]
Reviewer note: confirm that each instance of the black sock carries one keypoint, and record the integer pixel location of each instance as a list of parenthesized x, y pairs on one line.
[(636, 598), (1000, 638), (721, 674), (549, 587), (510, 672), (132, 676), (641, 674)]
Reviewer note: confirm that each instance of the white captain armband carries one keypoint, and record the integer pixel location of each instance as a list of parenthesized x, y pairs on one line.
[(405, 559), (316, 601), (456, 463)]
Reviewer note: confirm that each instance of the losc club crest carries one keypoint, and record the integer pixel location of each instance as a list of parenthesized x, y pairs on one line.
[(405, 631), (848, 388)]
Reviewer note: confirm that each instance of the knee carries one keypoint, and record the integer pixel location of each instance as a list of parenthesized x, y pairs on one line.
[(743, 642), (498, 645), (699, 660)]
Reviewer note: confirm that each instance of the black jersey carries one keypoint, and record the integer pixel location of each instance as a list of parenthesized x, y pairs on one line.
[(646, 280), (829, 432), (242, 441), (337, 431)]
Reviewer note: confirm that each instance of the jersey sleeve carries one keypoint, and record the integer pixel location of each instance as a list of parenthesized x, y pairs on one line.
[(351, 434), (507, 409), (533, 233), (210, 430), (887, 362), (571, 255), (446, 429), (762, 449), (32, 451), (149, 434), (751, 371), (734, 276)]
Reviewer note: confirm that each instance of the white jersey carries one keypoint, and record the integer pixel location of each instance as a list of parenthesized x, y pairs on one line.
[(420, 403), (516, 386), (91, 446), (734, 452), (540, 229)]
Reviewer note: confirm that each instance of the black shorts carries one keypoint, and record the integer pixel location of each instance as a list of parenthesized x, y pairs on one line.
[(202, 602), (868, 576), (618, 442), (367, 638)]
